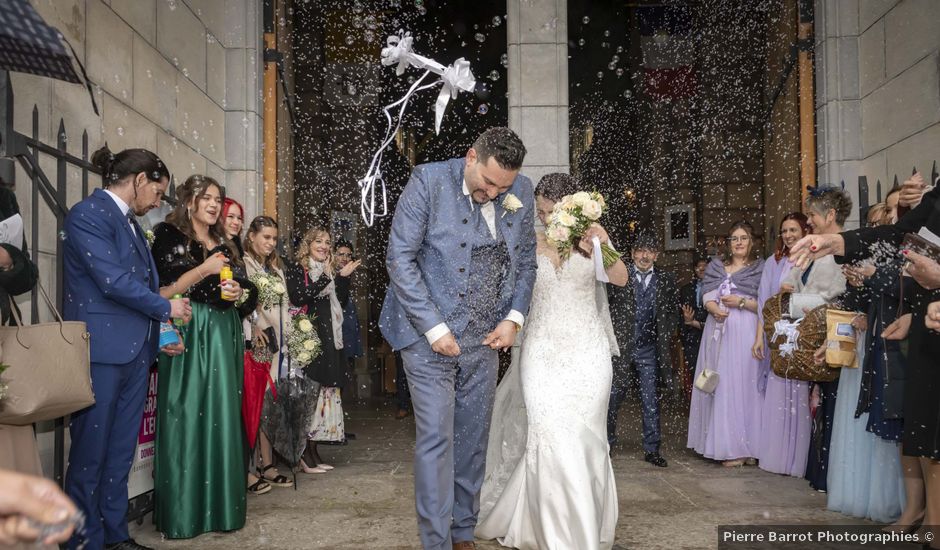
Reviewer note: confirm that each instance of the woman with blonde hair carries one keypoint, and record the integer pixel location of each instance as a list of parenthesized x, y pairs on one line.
[(315, 289)]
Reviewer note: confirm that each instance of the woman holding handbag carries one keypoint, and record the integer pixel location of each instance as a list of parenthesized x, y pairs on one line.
[(724, 417), (312, 285), (18, 275)]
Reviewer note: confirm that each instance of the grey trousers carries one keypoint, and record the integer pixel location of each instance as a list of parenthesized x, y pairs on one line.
[(453, 403)]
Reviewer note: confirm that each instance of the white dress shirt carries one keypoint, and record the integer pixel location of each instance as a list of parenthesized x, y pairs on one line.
[(125, 208), (488, 210)]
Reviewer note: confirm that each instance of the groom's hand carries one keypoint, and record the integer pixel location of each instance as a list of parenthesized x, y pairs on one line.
[(446, 345), (502, 336)]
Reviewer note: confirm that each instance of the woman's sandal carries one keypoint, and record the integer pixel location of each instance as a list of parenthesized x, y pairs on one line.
[(259, 487), (279, 480)]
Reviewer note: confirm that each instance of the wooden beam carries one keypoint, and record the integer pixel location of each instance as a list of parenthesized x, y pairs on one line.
[(269, 167), (807, 98)]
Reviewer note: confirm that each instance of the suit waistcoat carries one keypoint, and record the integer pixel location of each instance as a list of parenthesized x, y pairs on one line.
[(489, 262)]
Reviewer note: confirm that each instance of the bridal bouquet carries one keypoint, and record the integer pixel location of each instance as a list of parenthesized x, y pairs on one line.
[(303, 344), (271, 289), (571, 218)]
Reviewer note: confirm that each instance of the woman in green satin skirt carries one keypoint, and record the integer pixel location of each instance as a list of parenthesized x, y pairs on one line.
[(200, 444), (200, 449)]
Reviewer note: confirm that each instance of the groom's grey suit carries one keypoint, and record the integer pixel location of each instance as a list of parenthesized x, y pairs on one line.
[(454, 265)]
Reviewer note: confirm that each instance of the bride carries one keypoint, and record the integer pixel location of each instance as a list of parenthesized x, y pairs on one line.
[(549, 482)]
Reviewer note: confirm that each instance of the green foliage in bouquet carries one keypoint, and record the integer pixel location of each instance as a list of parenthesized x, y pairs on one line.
[(271, 289)]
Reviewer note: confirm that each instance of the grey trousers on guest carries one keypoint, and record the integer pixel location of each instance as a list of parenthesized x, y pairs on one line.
[(453, 403)]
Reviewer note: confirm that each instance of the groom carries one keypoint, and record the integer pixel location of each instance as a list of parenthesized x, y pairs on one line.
[(461, 259)]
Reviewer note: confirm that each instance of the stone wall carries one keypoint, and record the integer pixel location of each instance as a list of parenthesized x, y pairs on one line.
[(782, 192), (878, 90), (728, 121), (178, 77), (537, 33)]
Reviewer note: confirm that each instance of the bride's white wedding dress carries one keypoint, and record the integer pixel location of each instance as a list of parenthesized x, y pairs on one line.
[(549, 482)]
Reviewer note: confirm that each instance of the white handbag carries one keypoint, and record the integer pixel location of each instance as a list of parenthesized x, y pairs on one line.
[(707, 380)]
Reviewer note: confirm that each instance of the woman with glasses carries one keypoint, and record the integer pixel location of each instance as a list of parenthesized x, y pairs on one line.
[(724, 424), (343, 254)]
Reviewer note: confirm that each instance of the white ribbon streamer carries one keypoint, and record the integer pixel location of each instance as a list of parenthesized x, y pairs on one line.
[(792, 333), (454, 78), (599, 272)]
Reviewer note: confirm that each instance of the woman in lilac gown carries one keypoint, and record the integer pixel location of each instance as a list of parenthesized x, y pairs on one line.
[(786, 424), (725, 425)]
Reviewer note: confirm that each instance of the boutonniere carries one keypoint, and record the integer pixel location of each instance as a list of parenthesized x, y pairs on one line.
[(511, 203), (148, 234)]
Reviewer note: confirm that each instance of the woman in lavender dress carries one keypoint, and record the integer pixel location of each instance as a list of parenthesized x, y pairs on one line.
[(725, 425), (786, 424)]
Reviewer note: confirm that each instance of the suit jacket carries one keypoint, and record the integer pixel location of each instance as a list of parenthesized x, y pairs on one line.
[(623, 314), (428, 256), (111, 282)]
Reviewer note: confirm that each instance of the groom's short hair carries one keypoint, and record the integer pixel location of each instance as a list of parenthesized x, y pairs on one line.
[(503, 144)]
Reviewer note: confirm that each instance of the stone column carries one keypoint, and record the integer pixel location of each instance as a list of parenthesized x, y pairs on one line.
[(240, 34), (838, 100), (538, 82)]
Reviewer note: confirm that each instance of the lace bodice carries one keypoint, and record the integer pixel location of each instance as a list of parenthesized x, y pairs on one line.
[(564, 300)]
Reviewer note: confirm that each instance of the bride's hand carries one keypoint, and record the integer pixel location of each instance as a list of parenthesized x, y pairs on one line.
[(595, 230)]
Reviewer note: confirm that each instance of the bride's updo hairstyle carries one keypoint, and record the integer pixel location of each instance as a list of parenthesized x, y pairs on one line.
[(556, 186)]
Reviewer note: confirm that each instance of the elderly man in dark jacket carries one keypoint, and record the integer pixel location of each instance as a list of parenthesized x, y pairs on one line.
[(645, 314)]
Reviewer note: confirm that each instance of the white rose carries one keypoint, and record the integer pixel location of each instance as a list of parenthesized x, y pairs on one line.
[(310, 345), (566, 202), (558, 233), (581, 198), (565, 219), (279, 288), (304, 357), (592, 210), (305, 325), (511, 203), (599, 198), (263, 282)]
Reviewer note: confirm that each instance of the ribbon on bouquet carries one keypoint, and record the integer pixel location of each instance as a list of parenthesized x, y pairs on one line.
[(454, 78), (599, 272)]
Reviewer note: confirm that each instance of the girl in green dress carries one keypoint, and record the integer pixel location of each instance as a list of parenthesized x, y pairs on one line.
[(200, 461)]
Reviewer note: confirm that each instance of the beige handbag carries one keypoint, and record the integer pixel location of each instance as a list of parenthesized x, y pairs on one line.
[(49, 369), (841, 339)]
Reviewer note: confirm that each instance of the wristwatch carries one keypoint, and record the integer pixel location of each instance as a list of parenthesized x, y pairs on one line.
[(741, 303)]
